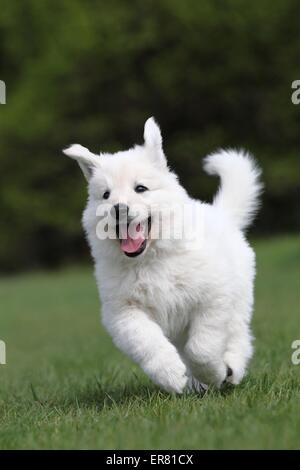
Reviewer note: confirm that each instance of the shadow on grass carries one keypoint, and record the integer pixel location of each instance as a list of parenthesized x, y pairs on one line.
[(101, 396), (95, 395)]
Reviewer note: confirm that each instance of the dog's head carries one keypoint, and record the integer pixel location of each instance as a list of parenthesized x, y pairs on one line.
[(130, 192)]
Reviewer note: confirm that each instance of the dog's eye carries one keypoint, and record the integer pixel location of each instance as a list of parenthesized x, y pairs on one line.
[(140, 188), (106, 195)]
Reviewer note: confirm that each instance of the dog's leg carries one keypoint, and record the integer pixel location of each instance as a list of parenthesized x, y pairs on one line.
[(193, 385), (205, 348), (238, 351), (143, 340)]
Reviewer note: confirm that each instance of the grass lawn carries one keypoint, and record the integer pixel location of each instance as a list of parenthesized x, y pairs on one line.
[(66, 386)]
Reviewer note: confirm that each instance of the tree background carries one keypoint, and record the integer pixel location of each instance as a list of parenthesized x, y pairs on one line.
[(214, 74)]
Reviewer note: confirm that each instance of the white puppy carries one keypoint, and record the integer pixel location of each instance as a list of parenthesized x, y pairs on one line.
[(179, 305)]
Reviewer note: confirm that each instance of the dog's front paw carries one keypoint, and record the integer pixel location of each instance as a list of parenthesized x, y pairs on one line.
[(168, 372)]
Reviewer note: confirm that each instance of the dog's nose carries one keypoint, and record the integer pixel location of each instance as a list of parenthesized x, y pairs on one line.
[(120, 212)]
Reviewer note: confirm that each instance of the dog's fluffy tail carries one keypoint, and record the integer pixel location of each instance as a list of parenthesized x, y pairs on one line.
[(240, 184)]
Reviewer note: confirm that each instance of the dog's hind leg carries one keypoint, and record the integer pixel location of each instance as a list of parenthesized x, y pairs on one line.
[(238, 352), (205, 347), (193, 385)]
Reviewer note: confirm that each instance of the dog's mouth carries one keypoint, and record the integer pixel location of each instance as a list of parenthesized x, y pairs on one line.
[(133, 239)]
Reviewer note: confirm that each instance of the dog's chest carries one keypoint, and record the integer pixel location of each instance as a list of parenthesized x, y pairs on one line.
[(168, 294)]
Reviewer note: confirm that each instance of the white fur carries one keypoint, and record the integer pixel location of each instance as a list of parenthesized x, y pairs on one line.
[(181, 309)]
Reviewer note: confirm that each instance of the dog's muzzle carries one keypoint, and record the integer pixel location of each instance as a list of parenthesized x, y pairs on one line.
[(133, 236)]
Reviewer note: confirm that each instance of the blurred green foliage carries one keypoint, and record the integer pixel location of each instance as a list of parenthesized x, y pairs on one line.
[(214, 73)]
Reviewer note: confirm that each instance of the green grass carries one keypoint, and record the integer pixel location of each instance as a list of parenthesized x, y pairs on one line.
[(66, 386)]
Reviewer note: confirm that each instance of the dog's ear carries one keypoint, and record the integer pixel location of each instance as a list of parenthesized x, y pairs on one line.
[(87, 160), (153, 142)]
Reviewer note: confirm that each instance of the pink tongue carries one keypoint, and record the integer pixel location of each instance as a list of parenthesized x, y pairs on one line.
[(131, 245)]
